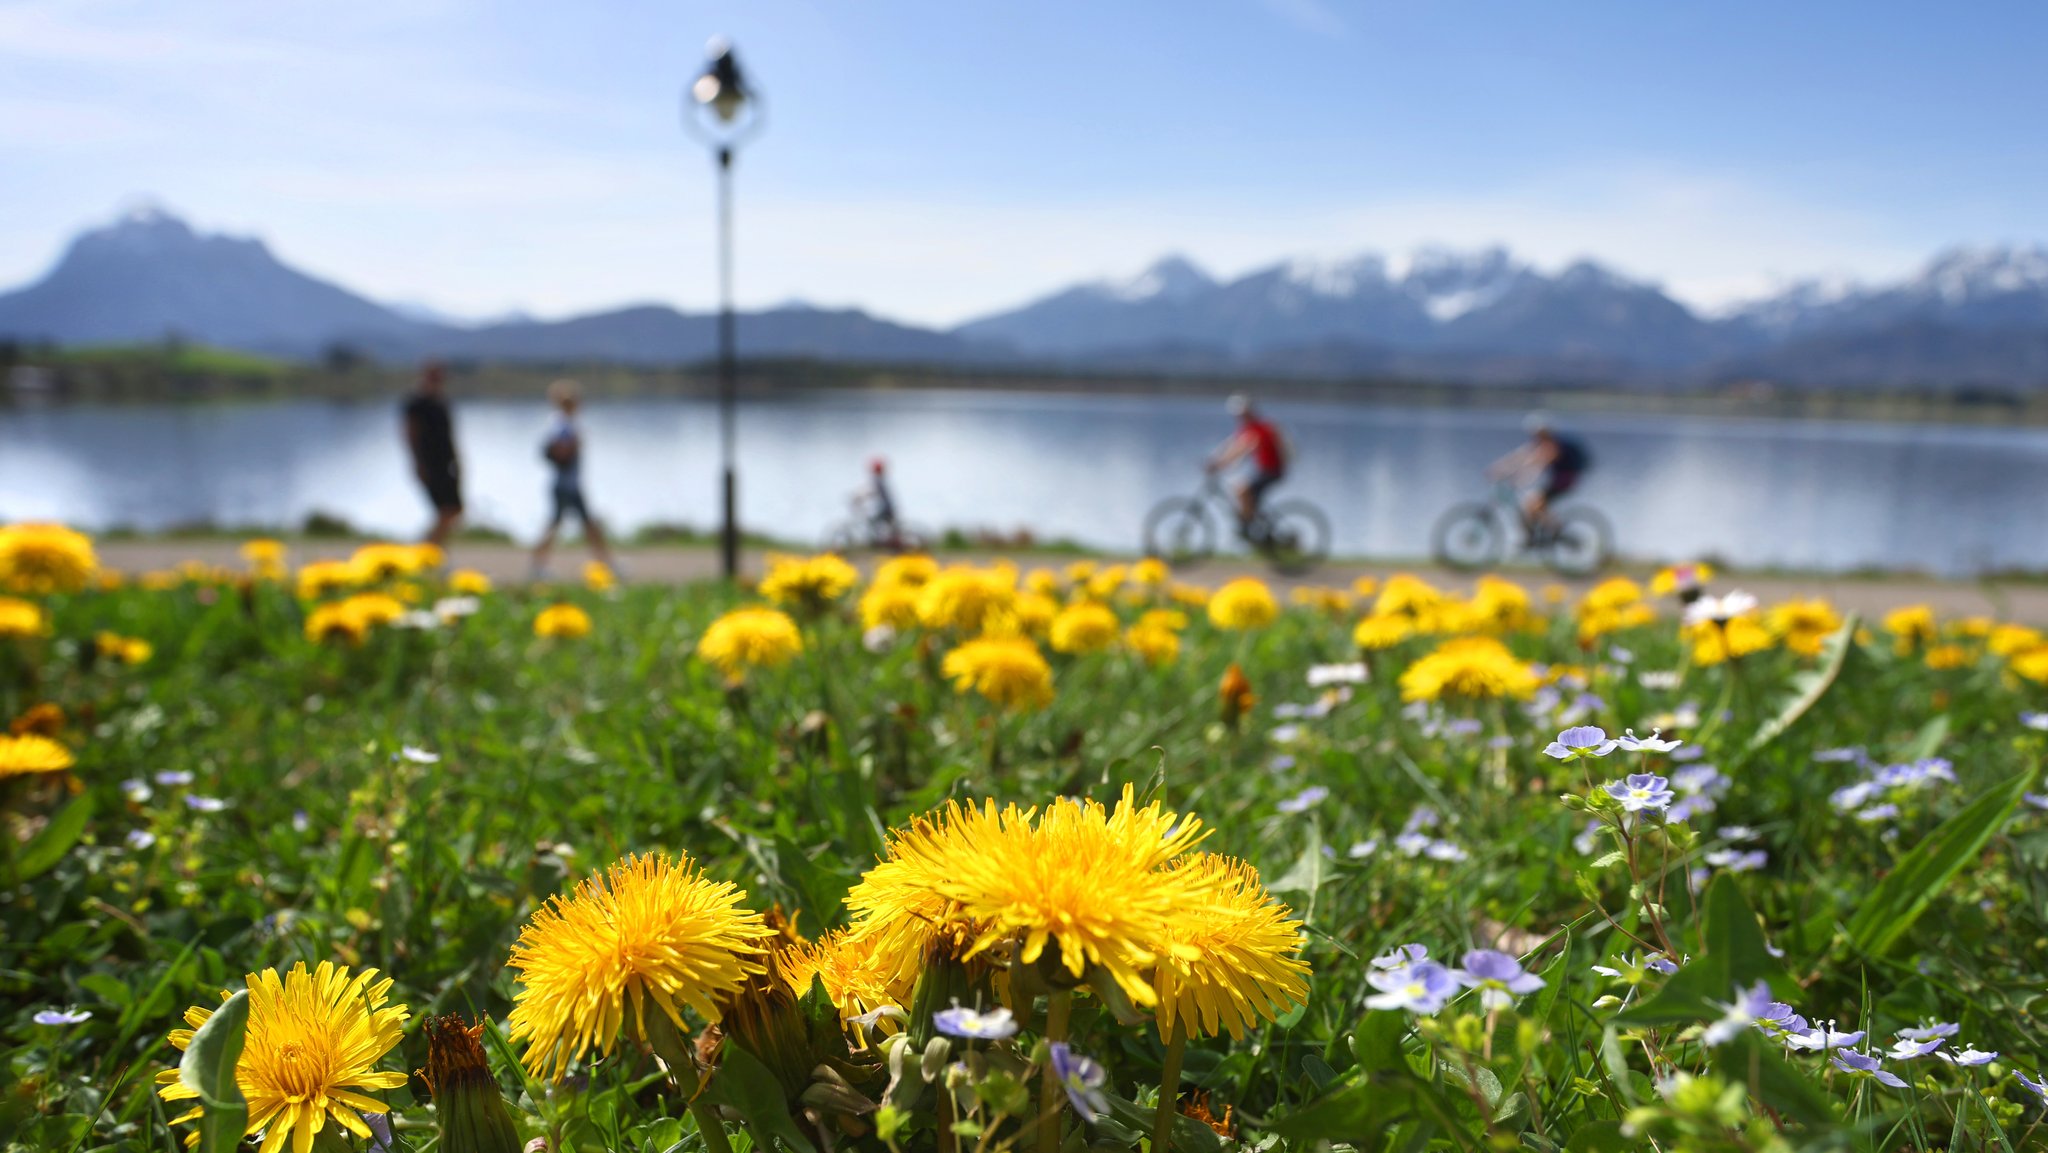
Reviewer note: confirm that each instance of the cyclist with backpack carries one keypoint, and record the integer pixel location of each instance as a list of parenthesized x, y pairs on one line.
[(1554, 461), (1257, 439)]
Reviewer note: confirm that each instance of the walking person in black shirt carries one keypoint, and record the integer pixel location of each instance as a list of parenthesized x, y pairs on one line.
[(430, 435)]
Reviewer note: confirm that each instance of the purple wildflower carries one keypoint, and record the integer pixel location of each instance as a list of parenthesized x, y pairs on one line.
[(1641, 792), (1498, 977), (993, 1025), (1583, 741), (1863, 1065), (1083, 1080), (1421, 987), (1304, 800)]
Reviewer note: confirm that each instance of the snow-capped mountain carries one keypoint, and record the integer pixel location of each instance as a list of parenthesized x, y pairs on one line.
[(1433, 300)]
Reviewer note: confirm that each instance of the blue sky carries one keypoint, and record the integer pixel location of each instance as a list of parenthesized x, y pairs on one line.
[(933, 161)]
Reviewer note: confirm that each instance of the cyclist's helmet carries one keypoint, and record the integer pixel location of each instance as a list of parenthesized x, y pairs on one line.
[(876, 465), (1238, 404), (1537, 422)]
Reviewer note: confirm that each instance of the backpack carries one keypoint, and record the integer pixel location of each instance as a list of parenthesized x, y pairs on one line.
[(1571, 456)]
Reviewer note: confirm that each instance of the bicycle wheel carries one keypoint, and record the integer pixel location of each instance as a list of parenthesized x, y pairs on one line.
[(1583, 543), (1297, 536), (1469, 537), (846, 537), (1180, 531)]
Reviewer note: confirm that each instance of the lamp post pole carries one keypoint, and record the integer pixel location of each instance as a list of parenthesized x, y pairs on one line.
[(723, 110), (728, 374)]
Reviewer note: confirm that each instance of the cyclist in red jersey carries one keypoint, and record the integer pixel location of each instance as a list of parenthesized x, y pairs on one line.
[(1259, 440)]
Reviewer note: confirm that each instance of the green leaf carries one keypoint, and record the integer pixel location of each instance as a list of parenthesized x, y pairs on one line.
[(1306, 876), (46, 848), (1732, 937), (1600, 1137), (1905, 893), (208, 1069), (750, 1088), (1746, 1060), (1928, 740), (1810, 685), (1357, 1112), (1376, 1043)]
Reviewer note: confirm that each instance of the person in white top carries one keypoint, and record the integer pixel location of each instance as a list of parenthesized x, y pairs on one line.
[(563, 450)]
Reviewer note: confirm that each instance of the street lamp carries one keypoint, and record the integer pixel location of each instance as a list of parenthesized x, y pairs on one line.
[(723, 110)]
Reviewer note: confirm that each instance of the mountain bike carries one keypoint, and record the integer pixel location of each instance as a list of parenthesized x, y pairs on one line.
[(1477, 534), (1293, 535), (863, 531)]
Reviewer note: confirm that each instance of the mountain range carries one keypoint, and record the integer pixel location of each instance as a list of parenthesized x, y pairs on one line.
[(1972, 318)]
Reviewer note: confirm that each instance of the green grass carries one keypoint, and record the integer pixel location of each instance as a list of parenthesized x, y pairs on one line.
[(557, 757)]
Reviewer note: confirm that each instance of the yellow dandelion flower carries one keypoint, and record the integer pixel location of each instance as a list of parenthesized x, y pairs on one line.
[(1675, 580), (127, 650), (2032, 664), (265, 558), (1150, 573), (1088, 881), (45, 558), (1469, 669), (1243, 604), (1714, 642), (1405, 593), (2005, 640), (310, 1054), (334, 622), (1911, 626), (1086, 627), (1803, 626), (562, 621), (1081, 572), (889, 603), (964, 598), (374, 609), (324, 578), (910, 571), (1448, 616), (859, 977), (1044, 582), (1156, 646), (598, 577), (1382, 632), (469, 582), (1365, 587), (1029, 615), (1950, 656), (897, 906), (20, 618), (1107, 582), (648, 930), (1610, 594), (1230, 958), (1502, 604), (751, 638), (1009, 671), (28, 752), (1172, 620), (809, 584), (1336, 602), (1192, 595), (382, 561), (1595, 623)]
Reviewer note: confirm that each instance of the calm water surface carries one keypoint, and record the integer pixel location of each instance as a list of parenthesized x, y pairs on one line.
[(1753, 492)]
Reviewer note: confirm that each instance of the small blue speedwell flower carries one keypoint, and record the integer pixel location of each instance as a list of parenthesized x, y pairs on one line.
[(1419, 987), (1498, 977), (1083, 1080), (1304, 800), (993, 1025), (1650, 744), (61, 1017), (1641, 792), (1862, 1065), (1583, 741)]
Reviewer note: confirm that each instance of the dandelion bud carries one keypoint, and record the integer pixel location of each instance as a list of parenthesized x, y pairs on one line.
[(473, 1114), (1235, 695)]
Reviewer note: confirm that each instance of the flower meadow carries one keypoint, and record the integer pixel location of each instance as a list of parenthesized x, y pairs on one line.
[(369, 854)]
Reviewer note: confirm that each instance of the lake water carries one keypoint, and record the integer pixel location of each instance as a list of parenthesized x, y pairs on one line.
[(1814, 495)]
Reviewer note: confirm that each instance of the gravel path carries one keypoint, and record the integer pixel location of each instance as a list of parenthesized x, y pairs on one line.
[(2023, 602)]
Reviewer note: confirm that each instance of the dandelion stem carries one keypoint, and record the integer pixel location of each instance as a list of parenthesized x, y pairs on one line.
[(1169, 1088), (709, 1126), (1056, 1008)]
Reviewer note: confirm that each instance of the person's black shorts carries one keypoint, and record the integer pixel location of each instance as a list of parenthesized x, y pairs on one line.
[(1260, 482), (444, 488), (568, 499), (1557, 484)]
